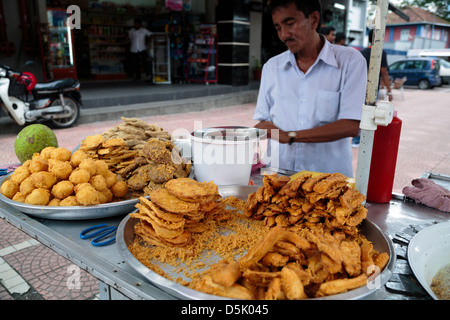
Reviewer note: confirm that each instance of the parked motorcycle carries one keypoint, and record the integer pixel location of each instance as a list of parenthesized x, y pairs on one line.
[(25, 100)]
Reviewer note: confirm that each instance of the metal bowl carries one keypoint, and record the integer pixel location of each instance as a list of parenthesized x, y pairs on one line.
[(429, 251), (125, 237)]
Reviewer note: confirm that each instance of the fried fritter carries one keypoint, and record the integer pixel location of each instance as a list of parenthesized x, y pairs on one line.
[(191, 190), (157, 151), (119, 189), (88, 195), (79, 176), (47, 152), (38, 197), (27, 186), (38, 163), (9, 188), (20, 174), (77, 157), (164, 199), (43, 179), (62, 189), (60, 169), (61, 154)]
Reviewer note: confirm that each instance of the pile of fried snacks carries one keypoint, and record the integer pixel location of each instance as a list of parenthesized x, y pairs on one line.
[(313, 249), (56, 177), (176, 211), (136, 132), (158, 162), (113, 151)]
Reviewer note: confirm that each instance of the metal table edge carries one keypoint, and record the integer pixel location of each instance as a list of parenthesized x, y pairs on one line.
[(119, 279)]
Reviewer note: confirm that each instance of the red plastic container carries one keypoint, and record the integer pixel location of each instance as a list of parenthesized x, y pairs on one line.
[(384, 160)]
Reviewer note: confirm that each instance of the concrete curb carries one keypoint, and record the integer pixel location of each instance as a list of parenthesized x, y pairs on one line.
[(167, 107), (98, 114)]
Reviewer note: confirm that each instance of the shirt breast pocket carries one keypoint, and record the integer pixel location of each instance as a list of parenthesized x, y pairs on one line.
[(327, 107)]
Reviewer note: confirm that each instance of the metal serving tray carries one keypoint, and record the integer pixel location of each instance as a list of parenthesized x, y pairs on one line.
[(105, 210), (125, 236)]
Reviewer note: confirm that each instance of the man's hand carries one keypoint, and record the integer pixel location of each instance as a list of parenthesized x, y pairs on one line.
[(273, 132)]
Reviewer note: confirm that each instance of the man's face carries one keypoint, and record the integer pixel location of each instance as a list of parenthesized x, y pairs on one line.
[(293, 28), (331, 36)]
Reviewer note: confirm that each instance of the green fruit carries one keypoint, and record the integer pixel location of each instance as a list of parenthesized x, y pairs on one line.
[(32, 139)]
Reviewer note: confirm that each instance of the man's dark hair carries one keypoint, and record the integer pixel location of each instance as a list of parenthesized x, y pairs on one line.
[(305, 6), (340, 36), (326, 30)]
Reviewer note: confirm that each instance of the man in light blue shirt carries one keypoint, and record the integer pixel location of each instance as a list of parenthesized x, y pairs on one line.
[(311, 96)]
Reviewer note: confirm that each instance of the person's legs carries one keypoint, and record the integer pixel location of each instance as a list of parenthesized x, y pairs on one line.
[(136, 65), (145, 62)]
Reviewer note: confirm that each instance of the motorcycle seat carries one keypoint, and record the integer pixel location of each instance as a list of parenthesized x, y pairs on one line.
[(55, 85)]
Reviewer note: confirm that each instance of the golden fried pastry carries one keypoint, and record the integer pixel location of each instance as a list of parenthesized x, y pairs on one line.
[(341, 285), (9, 188), (47, 152), (92, 142), (79, 176), (19, 197), (87, 196), (156, 150), (54, 202), (110, 178), (88, 165), (164, 199), (120, 189), (98, 182), (69, 201), (43, 179), (38, 163), (60, 169), (292, 285), (191, 190), (62, 189), (101, 167), (20, 174), (27, 186), (39, 196), (108, 195), (77, 157), (61, 154)]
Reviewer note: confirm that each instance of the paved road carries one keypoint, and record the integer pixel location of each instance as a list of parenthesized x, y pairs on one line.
[(29, 270)]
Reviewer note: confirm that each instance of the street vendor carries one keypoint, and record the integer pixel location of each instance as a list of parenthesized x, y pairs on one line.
[(311, 94)]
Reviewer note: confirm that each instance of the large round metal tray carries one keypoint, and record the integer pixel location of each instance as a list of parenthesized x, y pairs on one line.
[(428, 252), (74, 212), (125, 236)]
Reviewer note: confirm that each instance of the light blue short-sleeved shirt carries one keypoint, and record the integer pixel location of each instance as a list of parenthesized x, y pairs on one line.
[(333, 88)]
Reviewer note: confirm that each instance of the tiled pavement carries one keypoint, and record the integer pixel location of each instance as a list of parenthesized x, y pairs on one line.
[(29, 270)]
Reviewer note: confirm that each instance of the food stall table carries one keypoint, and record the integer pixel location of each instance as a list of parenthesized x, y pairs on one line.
[(118, 280)]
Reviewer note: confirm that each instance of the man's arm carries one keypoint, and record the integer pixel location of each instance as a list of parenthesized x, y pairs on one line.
[(329, 132)]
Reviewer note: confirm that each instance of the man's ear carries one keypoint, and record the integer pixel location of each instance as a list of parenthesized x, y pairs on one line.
[(315, 19)]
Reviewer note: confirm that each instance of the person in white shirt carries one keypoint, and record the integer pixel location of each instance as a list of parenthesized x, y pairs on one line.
[(311, 96), (139, 54)]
